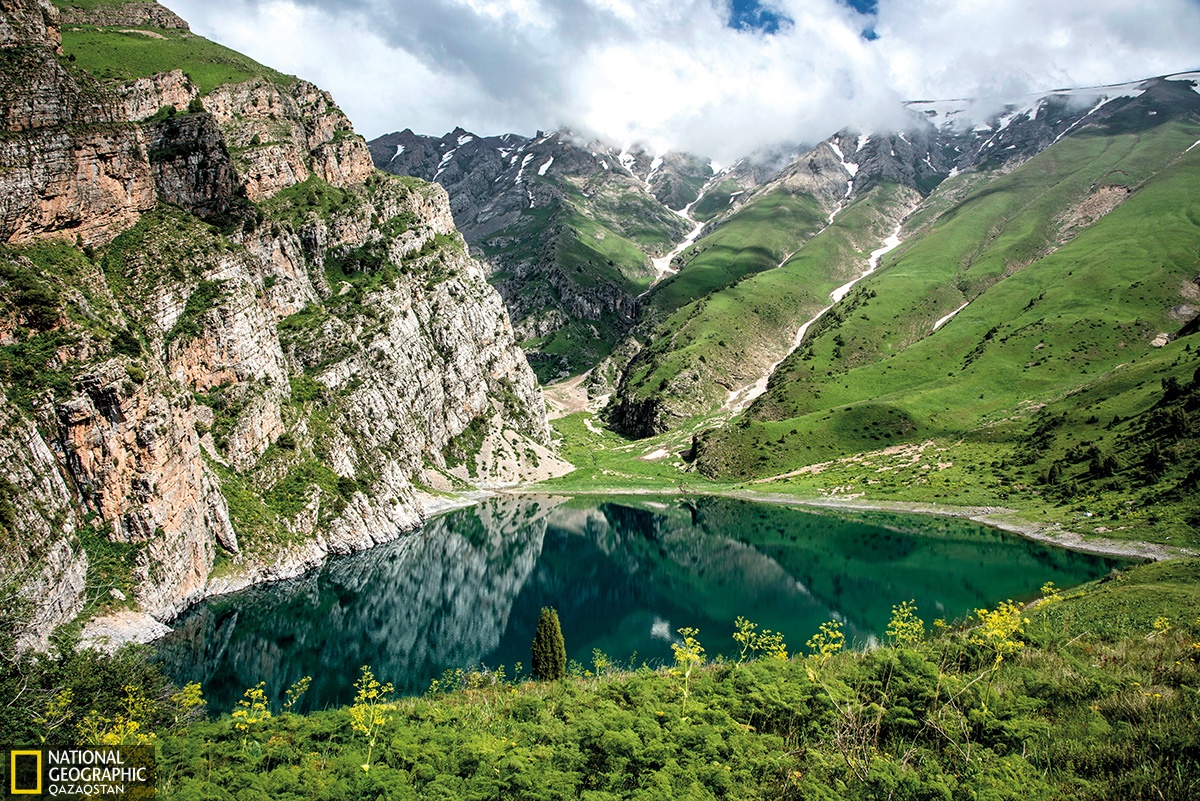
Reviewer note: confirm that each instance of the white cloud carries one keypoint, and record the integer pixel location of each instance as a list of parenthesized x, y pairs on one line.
[(672, 73), (954, 48)]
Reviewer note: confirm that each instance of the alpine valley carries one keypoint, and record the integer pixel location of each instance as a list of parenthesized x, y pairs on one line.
[(992, 306), (236, 340)]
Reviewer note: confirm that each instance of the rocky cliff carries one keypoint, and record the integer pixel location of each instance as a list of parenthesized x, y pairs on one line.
[(228, 347), (568, 226)]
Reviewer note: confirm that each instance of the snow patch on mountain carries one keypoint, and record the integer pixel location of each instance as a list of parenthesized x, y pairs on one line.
[(849, 166), (542, 169), (445, 160), (995, 114), (654, 165), (950, 316), (524, 163)]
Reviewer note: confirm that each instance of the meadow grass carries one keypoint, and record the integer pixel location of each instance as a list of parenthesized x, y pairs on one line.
[(1069, 332), (118, 56)]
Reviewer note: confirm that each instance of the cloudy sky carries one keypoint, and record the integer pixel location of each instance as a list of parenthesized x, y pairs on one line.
[(717, 77)]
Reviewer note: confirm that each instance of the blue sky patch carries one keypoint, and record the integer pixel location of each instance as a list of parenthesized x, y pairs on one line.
[(863, 6), (749, 15)]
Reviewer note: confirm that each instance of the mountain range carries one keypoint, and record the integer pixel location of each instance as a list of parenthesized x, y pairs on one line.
[(1011, 281)]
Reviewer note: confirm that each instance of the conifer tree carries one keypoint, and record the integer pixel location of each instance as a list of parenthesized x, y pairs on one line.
[(549, 650)]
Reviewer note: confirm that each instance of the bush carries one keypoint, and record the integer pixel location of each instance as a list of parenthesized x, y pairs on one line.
[(549, 650)]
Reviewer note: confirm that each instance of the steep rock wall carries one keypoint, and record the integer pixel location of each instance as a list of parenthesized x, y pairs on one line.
[(225, 389)]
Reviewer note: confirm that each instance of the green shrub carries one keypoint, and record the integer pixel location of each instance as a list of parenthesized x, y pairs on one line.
[(549, 651)]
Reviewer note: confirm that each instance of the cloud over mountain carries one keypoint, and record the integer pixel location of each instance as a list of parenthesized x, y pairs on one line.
[(713, 77)]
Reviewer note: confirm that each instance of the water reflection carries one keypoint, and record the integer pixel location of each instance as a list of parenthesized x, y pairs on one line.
[(624, 574)]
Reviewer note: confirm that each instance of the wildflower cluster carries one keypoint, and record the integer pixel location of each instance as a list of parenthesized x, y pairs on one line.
[(1000, 628), (252, 709), (369, 714), (829, 640), (905, 628), (765, 643)]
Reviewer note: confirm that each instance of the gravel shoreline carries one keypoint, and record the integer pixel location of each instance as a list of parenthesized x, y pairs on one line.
[(996, 516)]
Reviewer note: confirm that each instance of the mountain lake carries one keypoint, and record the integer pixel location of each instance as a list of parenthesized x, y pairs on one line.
[(624, 573)]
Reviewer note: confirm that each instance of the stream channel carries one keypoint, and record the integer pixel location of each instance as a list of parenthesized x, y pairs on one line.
[(624, 574)]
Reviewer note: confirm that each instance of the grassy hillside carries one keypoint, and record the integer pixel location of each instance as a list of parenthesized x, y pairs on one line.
[(754, 283), (1063, 314), (758, 237), (1087, 695), (120, 54)]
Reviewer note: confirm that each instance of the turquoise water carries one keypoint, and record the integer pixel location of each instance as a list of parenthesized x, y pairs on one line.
[(624, 575)]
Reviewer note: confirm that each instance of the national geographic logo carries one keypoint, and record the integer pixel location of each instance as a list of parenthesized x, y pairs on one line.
[(105, 772)]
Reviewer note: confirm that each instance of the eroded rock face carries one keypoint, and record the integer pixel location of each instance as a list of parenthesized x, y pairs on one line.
[(266, 383), (29, 22), (191, 166), (146, 96), (280, 136), (90, 182), (69, 166), (134, 14), (138, 454), (37, 511)]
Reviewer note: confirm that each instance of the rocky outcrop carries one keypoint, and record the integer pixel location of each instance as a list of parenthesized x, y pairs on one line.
[(88, 183), (29, 22), (131, 13), (191, 166), (135, 456), (36, 510), (68, 164), (281, 135), (239, 376), (145, 97)]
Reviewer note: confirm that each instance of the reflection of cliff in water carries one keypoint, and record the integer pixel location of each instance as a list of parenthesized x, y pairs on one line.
[(624, 574), (410, 609)]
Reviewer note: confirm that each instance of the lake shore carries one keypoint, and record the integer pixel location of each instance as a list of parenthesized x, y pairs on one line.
[(995, 516), (109, 632)]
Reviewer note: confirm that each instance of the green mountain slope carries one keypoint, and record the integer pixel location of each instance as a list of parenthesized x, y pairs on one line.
[(123, 52), (744, 289), (573, 264), (1077, 269)]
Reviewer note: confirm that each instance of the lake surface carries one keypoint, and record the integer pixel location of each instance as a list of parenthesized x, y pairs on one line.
[(624, 575)]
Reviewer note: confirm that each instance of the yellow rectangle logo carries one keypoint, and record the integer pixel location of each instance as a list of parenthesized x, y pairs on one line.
[(12, 773)]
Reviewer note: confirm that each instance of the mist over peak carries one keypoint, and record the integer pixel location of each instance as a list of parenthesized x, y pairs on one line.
[(720, 78)]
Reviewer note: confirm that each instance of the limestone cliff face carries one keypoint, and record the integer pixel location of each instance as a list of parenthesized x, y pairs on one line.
[(144, 97), (37, 498), (224, 388), (68, 162), (23, 22), (282, 135)]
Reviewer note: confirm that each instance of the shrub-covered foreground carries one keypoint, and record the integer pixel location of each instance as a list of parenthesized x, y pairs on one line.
[(1092, 694)]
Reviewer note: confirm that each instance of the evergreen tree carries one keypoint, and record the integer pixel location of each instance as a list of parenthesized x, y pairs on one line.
[(549, 650)]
